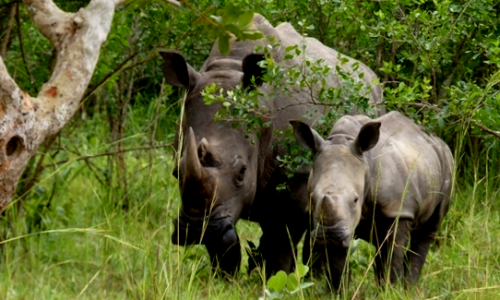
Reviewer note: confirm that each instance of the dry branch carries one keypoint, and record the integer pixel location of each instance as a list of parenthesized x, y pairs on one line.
[(486, 129), (28, 121)]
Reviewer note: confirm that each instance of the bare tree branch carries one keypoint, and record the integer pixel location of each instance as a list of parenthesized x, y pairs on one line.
[(26, 121), (486, 129), (52, 22)]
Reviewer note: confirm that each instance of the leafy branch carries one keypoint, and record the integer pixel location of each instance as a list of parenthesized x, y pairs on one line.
[(232, 21)]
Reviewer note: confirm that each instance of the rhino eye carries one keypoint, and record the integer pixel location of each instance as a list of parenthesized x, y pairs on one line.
[(356, 200), (241, 174)]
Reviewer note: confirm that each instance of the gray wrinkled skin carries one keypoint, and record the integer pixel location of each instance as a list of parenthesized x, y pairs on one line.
[(222, 176), (383, 180)]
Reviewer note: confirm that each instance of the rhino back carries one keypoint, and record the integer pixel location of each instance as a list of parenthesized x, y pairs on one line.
[(316, 50), (410, 170), (226, 71)]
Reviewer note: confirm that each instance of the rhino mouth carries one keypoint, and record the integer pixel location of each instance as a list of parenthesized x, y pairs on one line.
[(331, 235), (195, 230)]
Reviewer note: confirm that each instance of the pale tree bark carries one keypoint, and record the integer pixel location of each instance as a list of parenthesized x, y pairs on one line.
[(25, 121)]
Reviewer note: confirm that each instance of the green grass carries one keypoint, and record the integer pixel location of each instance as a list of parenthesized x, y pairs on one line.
[(86, 247)]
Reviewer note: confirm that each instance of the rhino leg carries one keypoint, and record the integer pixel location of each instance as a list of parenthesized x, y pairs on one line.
[(283, 224), (225, 258), (419, 247), (392, 239), (327, 260), (278, 246), (331, 261), (421, 240)]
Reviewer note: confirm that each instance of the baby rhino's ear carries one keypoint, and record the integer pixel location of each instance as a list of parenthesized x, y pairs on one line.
[(306, 136), (367, 137)]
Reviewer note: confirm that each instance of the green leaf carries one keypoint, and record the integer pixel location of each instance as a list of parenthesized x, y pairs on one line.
[(305, 285), (293, 282), (302, 269), (273, 295), (233, 29), (245, 19), (216, 18), (278, 281), (252, 35), (231, 13), (259, 122), (224, 44)]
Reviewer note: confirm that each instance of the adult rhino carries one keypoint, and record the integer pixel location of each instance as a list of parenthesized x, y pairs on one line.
[(385, 181), (223, 177)]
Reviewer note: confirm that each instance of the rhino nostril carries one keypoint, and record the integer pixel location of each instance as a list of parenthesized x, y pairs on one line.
[(230, 237)]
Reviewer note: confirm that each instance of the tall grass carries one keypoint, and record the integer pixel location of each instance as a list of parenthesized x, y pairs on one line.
[(83, 245)]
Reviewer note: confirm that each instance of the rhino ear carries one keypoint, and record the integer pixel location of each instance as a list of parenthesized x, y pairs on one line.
[(367, 137), (177, 71), (251, 69), (307, 137)]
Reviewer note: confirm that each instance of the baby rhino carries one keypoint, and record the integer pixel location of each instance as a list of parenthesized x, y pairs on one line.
[(385, 181)]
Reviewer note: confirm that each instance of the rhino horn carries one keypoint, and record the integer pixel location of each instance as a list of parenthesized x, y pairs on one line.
[(194, 170), (328, 208)]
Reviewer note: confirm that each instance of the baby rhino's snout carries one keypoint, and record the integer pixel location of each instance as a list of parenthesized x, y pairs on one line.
[(331, 226)]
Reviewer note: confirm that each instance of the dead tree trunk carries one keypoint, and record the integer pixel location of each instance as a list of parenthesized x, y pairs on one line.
[(27, 121)]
